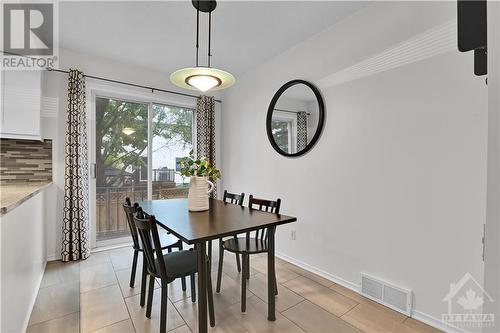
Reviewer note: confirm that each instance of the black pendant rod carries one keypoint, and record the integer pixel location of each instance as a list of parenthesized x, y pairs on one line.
[(209, 35), (197, 32), (129, 84)]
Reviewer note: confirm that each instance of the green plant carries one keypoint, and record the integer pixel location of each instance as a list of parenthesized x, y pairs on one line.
[(198, 167)]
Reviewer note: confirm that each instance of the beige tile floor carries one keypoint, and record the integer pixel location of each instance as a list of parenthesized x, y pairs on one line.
[(94, 296)]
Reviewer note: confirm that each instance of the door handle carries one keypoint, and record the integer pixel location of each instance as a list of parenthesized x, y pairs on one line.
[(93, 170)]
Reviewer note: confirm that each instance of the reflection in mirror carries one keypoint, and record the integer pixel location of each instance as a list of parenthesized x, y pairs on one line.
[(295, 119)]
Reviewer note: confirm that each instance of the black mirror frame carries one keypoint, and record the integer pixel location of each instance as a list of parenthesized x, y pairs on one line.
[(321, 117)]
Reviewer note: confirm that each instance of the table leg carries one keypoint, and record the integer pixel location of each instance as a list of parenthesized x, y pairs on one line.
[(271, 301), (202, 288)]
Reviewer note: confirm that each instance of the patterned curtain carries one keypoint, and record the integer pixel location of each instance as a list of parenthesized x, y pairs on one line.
[(301, 130), (75, 244), (205, 130)]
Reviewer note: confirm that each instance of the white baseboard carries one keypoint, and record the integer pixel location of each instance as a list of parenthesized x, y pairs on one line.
[(33, 299), (53, 257), (435, 322), (111, 247), (320, 272), (416, 314)]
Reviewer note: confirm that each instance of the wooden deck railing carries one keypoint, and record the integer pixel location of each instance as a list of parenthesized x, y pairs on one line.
[(111, 221)]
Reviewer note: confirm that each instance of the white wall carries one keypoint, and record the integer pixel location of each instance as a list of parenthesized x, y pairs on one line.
[(492, 234), (395, 186), (54, 91)]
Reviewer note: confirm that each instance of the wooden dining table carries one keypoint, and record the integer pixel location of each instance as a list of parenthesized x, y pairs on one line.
[(221, 220)]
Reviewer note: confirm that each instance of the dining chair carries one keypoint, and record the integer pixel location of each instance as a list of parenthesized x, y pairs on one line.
[(167, 241), (249, 245), (235, 199), (167, 267)]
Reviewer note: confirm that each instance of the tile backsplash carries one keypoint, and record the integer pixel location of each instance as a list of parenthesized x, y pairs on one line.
[(25, 160)]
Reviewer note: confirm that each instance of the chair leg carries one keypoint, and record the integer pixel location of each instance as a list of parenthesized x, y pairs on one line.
[(143, 281), (183, 282), (193, 288), (238, 263), (183, 279), (209, 250), (150, 296), (163, 308), (244, 283), (211, 311), (275, 285), (248, 267), (134, 268), (219, 269)]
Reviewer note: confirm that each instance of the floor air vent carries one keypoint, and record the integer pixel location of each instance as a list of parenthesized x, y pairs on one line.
[(387, 294)]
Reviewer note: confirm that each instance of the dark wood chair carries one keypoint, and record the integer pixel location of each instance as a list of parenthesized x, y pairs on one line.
[(235, 199), (167, 241), (248, 245), (167, 267)]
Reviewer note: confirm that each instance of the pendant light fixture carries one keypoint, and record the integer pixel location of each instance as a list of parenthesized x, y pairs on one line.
[(200, 77)]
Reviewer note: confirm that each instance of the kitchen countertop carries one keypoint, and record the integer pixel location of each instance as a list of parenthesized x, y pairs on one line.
[(15, 193)]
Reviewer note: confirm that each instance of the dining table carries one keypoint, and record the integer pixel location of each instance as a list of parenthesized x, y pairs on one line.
[(219, 221)]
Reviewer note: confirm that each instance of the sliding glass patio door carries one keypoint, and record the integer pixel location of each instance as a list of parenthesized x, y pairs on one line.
[(172, 139), (137, 146)]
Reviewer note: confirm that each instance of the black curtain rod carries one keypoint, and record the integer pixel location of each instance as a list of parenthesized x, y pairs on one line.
[(289, 111), (129, 84)]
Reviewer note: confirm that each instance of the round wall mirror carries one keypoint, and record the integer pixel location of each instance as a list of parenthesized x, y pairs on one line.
[(295, 118)]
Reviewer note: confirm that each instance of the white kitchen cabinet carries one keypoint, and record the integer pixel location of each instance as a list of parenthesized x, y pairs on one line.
[(21, 104), (22, 257)]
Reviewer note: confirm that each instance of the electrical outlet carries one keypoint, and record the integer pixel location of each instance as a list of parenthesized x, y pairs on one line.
[(293, 235)]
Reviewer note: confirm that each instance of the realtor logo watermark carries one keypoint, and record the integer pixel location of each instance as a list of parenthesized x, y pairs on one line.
[(28, 36), (466, 299)]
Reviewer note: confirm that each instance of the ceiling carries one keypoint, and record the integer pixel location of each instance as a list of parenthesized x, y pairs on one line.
[(161, 35)]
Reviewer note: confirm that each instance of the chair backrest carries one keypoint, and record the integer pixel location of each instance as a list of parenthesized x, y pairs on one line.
[(264, 205), (148, 232), (236, 199), (130, 210)]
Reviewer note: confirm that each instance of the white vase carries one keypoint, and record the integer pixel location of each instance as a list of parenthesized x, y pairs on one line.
[(198, 193)]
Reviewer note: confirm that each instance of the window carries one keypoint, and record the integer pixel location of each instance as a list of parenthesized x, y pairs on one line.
[(280, 130), (121, 155), (284, 130), (172, 128), (129, 165)]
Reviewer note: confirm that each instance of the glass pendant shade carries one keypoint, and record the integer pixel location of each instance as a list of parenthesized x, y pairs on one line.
[(203, 82), (202, 78)]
